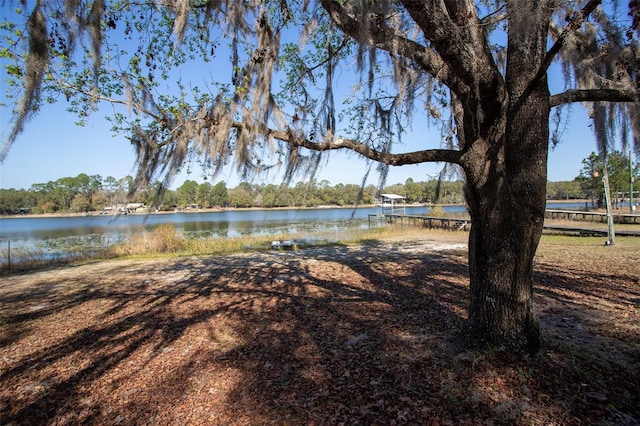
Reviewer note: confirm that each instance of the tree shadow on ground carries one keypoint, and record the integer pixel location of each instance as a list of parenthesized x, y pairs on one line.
[(355, 335)]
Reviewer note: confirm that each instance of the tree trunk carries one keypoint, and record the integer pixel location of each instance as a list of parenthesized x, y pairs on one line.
[(507, 213), (507, 198), (502, 244)]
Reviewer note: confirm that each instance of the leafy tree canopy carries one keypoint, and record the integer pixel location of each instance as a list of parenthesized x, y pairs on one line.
[(281, 61)]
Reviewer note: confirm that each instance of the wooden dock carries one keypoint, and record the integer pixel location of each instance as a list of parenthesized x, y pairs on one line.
[(591, 216), (589, 232), (463, 224), (451, 223)]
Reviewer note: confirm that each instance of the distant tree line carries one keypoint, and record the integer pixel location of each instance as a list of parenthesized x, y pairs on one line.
[(87, 193), (588, 184), (82, 193)]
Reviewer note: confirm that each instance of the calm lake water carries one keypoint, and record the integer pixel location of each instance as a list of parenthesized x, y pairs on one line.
[(77, 231), (58, 235)]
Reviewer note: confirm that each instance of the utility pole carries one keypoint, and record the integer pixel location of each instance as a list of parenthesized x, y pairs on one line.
[(607, 199), (631, 206)]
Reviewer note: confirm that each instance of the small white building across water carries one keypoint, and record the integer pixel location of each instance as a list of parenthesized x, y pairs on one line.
[(393, 204)]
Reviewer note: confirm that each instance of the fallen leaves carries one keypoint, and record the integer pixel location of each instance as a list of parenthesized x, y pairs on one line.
[(333, 335)]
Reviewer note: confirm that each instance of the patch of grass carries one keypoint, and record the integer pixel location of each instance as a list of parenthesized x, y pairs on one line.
[(585, 255), (163, 239), (570, 240), (29, 259), (380, 233), (587, 224), (166, 239), (398, 231), (206, 246)]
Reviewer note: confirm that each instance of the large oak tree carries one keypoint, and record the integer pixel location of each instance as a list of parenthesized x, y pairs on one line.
[(477, 69)]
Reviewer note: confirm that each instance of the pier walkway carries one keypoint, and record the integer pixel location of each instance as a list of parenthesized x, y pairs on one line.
[(452, 223), (461, 223), (591, 216)]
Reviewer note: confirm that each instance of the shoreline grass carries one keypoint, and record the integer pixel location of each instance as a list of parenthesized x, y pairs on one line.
[(167, 240)]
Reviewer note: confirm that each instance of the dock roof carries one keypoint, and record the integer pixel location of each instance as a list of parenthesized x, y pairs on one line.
[(393, 196)]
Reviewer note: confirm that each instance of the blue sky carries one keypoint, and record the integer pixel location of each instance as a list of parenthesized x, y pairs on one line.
[(52, 146)]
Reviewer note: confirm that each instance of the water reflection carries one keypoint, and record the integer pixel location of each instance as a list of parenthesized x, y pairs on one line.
[(56, 235)]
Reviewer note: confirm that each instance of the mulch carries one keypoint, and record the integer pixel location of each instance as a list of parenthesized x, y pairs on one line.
[(320, 336)]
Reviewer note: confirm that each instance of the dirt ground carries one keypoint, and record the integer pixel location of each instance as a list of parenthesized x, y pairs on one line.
[(354, 335)]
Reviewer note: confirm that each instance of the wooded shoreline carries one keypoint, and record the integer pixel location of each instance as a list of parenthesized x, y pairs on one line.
[(227, 209)]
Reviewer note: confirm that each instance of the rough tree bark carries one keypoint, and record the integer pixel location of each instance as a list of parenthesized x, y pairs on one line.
[(506, 194)]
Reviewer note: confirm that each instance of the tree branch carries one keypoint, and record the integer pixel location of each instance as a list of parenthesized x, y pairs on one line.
[(594, 95), (494, 17), (415, 157), (575, 23), (394, 42), (331, 54), (456, 33), (98, 97)]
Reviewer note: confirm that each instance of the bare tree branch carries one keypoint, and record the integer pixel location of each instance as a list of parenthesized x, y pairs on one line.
[(495, 17), (594, 95)]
